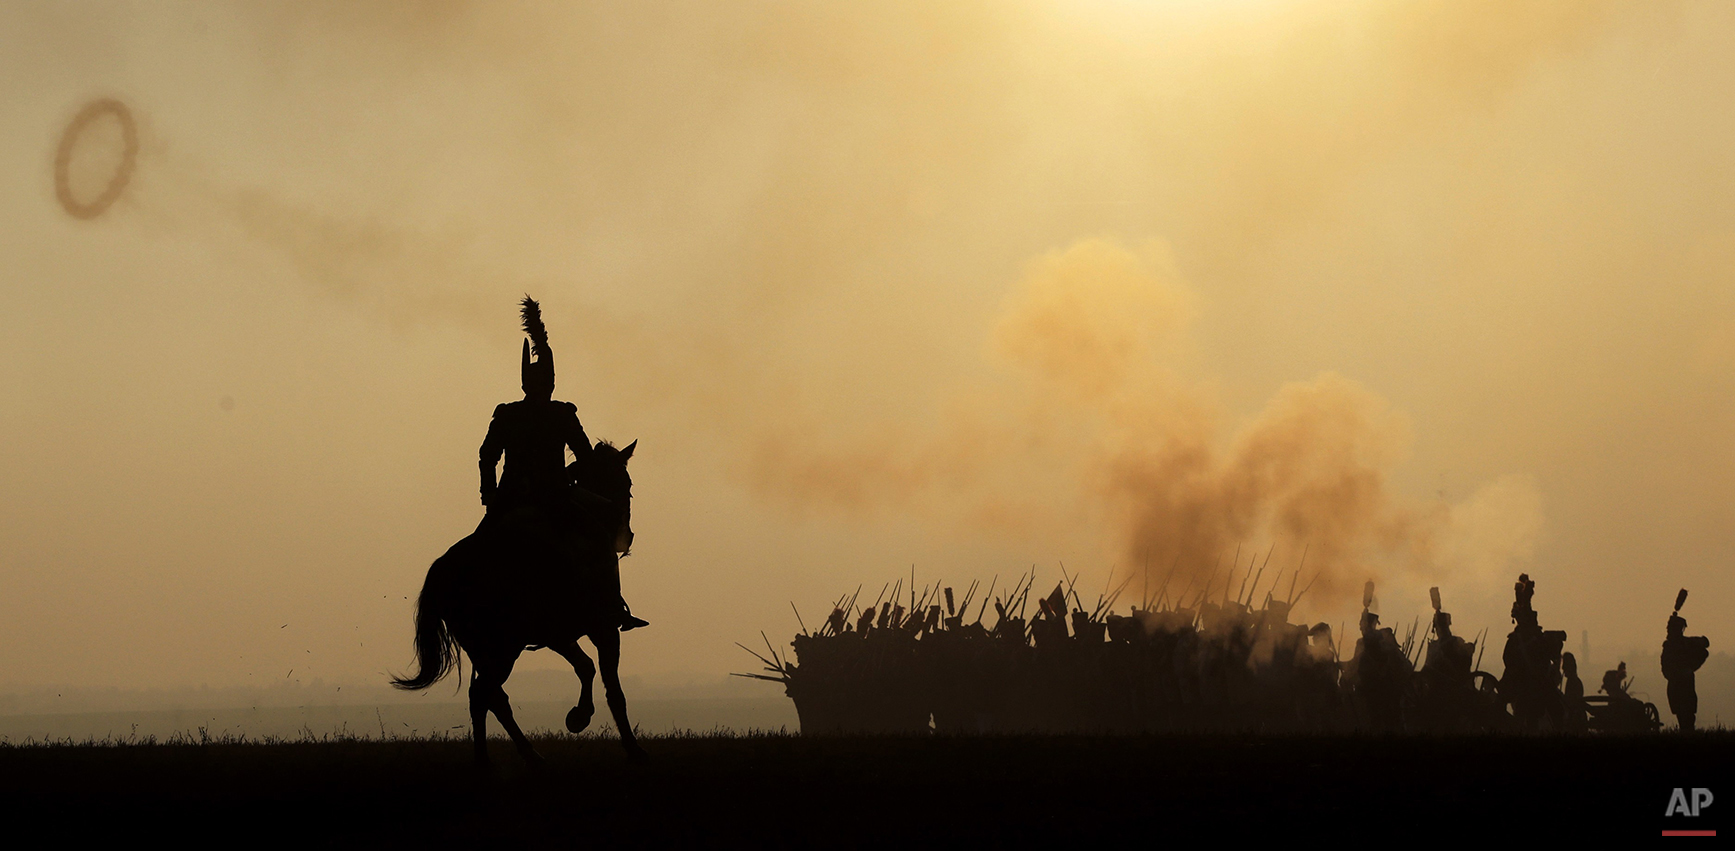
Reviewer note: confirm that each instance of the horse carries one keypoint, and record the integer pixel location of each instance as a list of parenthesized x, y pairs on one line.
[(518, 583)]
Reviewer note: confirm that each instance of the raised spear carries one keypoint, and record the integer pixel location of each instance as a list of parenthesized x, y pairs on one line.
[(850, 612), (762, 677), (1269, 595), (1181, 595), (1164, 588), (1145, 585), (1108, 604), (927, 592), (769, 665), (984, 610), (882, 596), (1236, 562), (773, 652), (1298, 570), (969, 594), (1259, 574), (1024, 597), (1304, 590), (1012, 595), (1075, 601)]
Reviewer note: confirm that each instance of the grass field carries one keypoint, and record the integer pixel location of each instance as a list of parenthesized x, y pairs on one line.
[(780, 791)]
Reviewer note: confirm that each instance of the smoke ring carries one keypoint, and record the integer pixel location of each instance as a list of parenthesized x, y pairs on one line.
[(63, 158)]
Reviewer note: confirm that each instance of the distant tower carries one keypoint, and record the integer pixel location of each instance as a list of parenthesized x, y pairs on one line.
[(1584, 647)]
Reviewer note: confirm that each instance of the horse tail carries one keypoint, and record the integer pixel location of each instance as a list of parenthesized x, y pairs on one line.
[(436, 649)]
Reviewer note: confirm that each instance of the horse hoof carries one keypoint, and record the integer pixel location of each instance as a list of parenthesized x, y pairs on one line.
[(578, 719), (535, 761), (636, 754)]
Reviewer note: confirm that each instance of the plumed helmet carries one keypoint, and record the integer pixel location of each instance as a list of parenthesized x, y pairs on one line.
[(537, 375), (1676, 623)]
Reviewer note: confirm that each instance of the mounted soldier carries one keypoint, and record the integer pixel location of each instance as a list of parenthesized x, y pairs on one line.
[(536, 490), (542, 570)]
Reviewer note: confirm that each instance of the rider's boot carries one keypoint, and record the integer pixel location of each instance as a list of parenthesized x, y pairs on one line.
[(628, 620)]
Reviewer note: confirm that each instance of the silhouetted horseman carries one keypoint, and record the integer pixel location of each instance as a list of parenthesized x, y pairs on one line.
[(1682, 656), (533, 434), (543, 567)]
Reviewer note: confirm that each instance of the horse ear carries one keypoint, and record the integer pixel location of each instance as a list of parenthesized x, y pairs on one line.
[(627, 453)]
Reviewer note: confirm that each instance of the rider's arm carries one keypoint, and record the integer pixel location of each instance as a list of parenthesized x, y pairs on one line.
[(489, 456), (575, 436)]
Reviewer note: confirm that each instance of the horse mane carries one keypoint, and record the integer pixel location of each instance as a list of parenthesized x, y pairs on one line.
[(590, 469)]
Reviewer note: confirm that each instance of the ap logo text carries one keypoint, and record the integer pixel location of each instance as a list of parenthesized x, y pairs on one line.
[(1688, 802)]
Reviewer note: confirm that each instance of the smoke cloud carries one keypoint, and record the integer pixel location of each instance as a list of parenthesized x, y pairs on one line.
[(1101, 422)]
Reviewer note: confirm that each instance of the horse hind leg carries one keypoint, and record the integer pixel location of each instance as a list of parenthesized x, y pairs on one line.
[(487, 693), (502, 707), (481, 687), (608, 651), (578, 719)]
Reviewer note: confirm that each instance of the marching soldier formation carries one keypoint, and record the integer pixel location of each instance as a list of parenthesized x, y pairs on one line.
[(1210, 661)]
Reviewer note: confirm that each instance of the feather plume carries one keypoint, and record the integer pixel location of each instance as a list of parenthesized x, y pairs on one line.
[(531, 314)]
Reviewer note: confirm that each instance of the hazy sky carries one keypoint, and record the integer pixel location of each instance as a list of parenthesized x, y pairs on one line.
[(1438, 291)]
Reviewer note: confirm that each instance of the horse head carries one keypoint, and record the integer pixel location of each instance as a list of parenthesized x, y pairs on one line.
[(606, 476)]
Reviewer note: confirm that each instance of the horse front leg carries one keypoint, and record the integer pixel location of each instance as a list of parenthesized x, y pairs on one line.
[(579, 718), (608, 652)]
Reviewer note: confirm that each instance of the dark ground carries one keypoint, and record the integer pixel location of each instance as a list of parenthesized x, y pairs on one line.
[(852, 792)]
